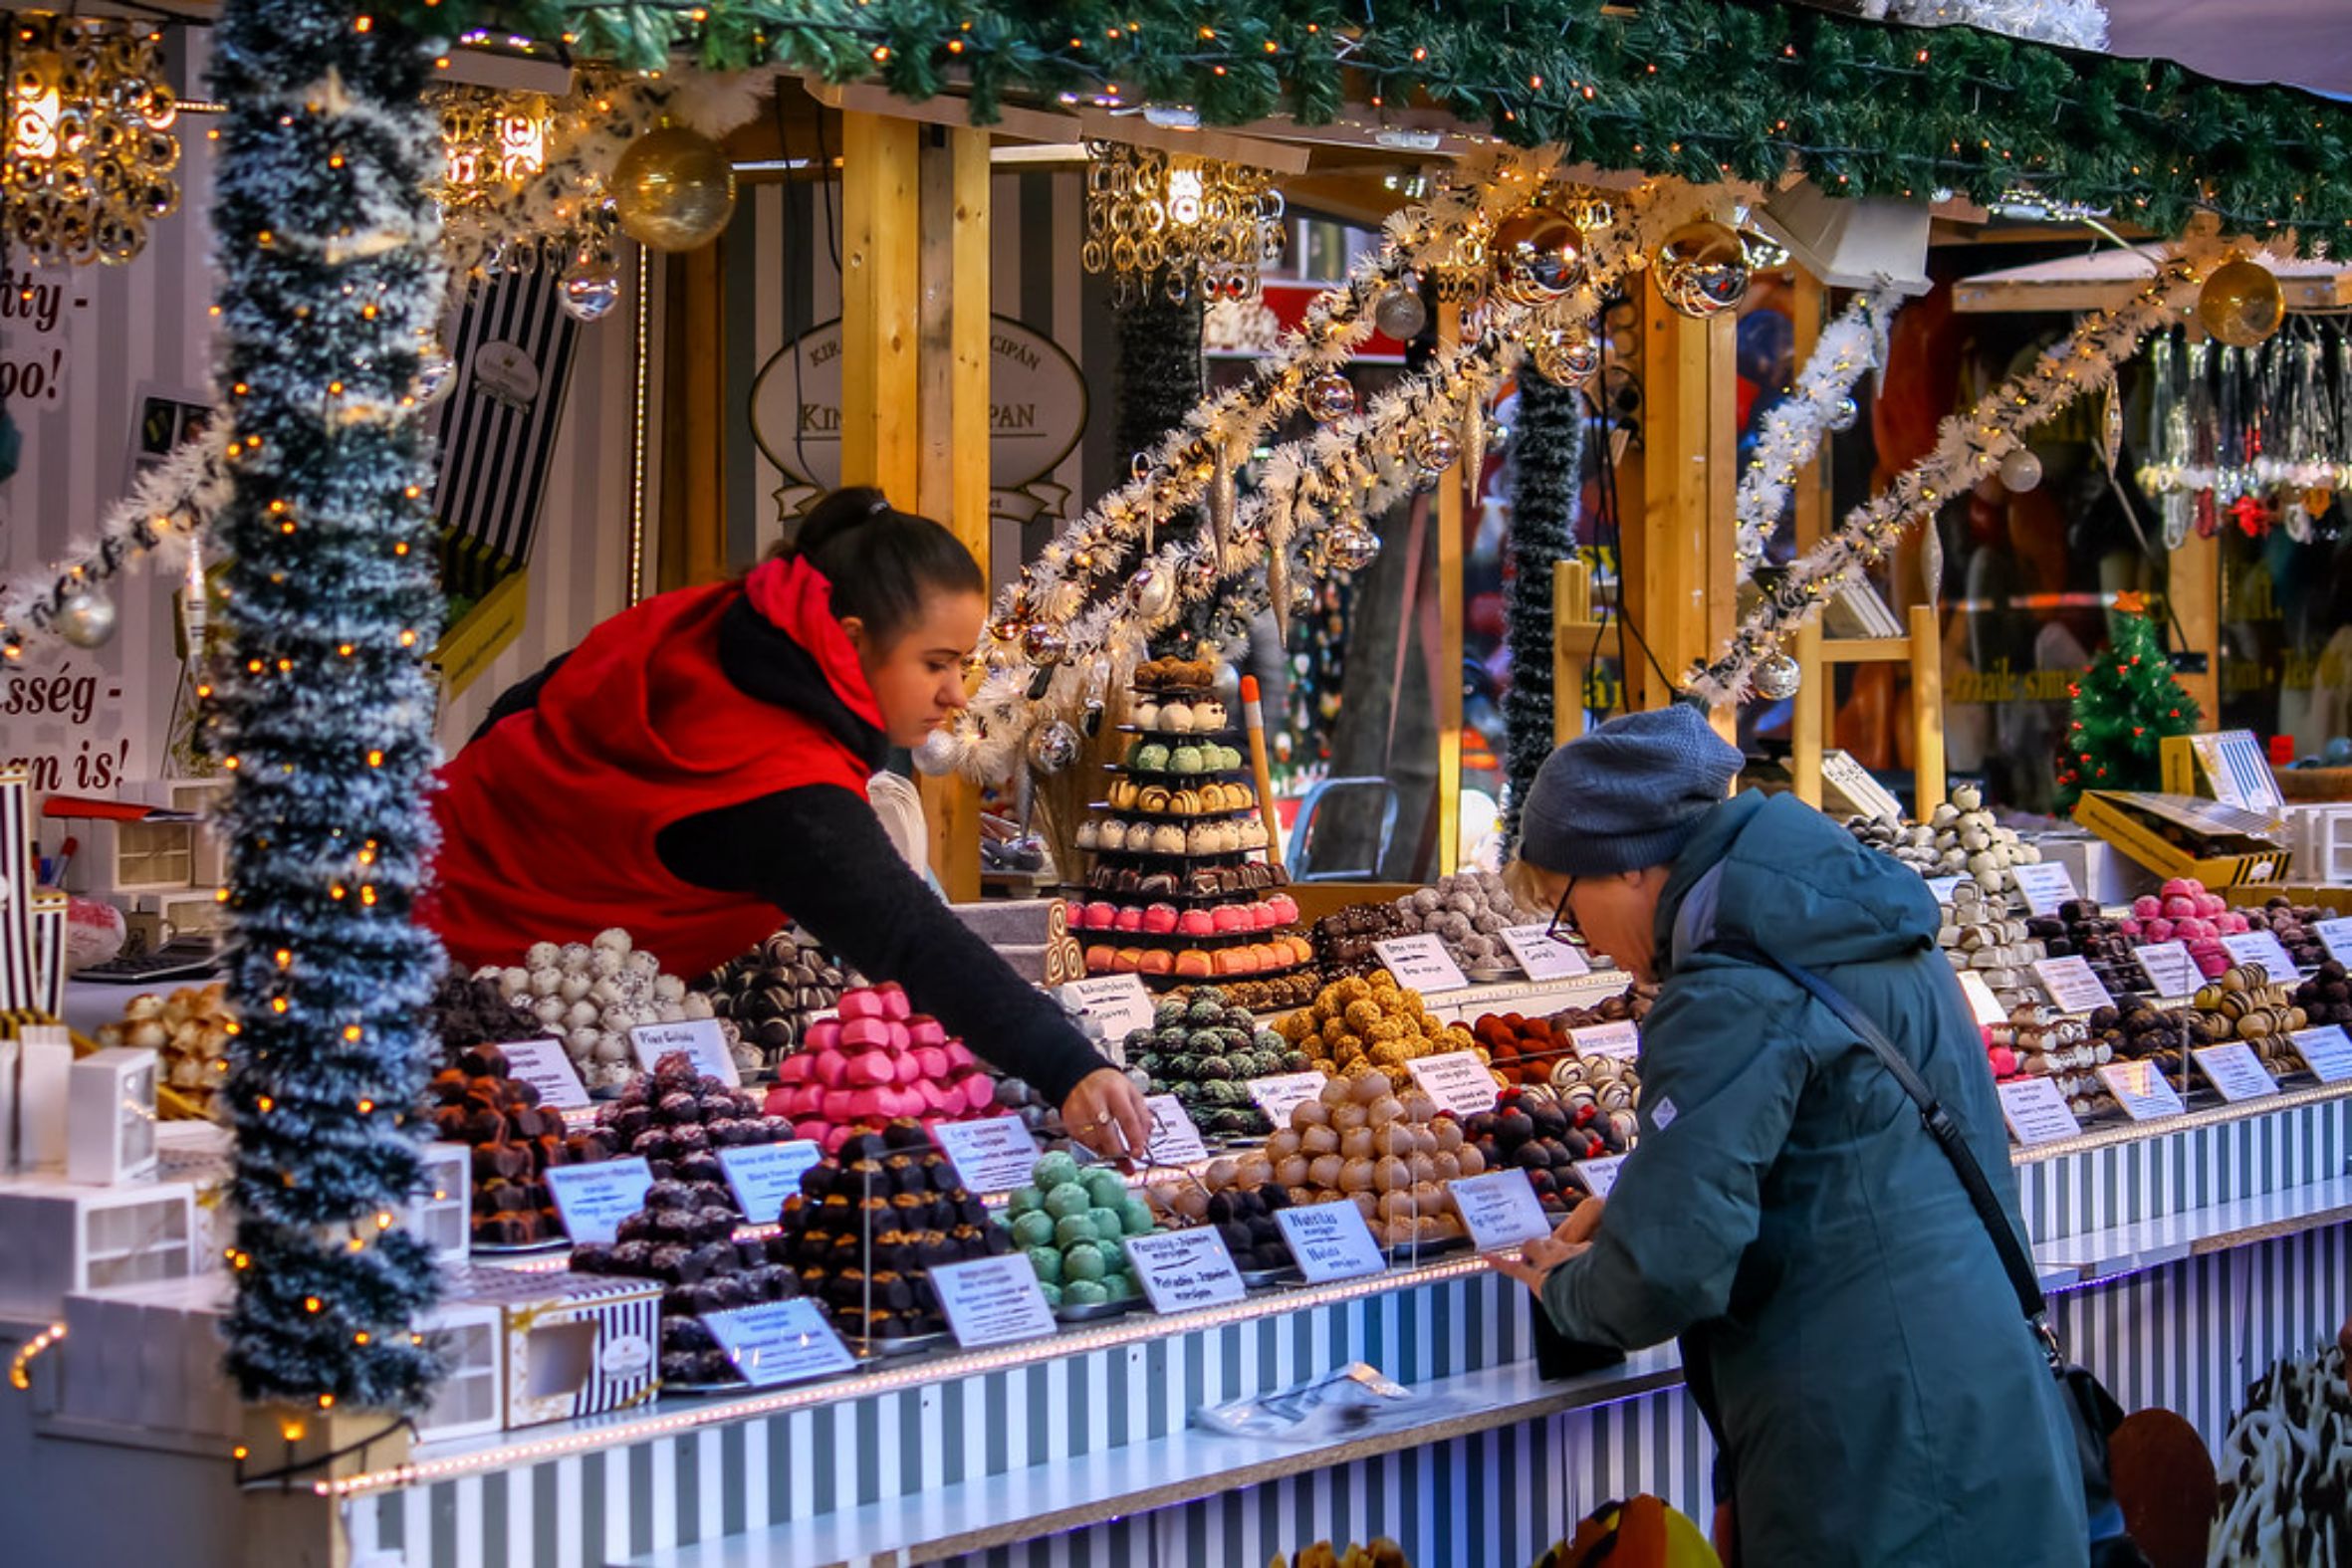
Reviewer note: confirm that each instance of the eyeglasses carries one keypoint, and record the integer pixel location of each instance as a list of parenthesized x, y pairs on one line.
[(1563, 929)]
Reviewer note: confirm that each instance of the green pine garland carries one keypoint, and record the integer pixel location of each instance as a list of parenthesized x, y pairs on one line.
[(331, 283), (1704, 89), (2125, 703), (1547, 456)]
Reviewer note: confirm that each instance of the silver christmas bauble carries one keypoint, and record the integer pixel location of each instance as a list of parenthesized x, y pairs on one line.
[(935, 758), (1565, 356), (1777, 676), (1538, 257), (1330, 396), (1351, 546), (1399, 313), (592, 288), (86, 618), (1044, 644), (1436, 451), (1053, 747), (1153, 593), (1844, 413), (2020, 470), (1701, 270)]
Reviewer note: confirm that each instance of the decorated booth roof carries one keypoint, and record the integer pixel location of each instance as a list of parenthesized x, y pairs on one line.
[(1704, 89)]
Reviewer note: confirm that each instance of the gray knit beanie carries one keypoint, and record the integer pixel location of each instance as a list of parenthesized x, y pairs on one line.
[(1627, 796)]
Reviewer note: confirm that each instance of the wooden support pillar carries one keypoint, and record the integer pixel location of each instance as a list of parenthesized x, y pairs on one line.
[(1447, 673), (692, 538), (1816, 700), (1808, 714), (2194, 590), (1681, 590), (1575, 637), (881, 282), (1926, 711), (953, 479)]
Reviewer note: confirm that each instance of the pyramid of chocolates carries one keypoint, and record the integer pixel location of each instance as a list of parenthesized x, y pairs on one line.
[(679, 1120), (515, 1142), (684, 1238), (866, 1228), (878, 1060), (1173, 891)]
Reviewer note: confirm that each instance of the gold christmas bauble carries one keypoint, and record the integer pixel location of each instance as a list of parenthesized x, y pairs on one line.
[(2240, 303), (1539, 256), (674, 189), (1702, 269)]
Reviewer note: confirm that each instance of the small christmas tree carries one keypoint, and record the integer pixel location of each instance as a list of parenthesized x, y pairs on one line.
[(2125, 704)]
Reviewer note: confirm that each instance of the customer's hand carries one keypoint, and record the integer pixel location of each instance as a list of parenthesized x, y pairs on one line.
[(1106, 1114), (1581, 1222), (1572, 1238)]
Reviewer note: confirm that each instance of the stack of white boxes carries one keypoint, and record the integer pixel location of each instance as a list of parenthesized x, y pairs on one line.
[(160, 871)]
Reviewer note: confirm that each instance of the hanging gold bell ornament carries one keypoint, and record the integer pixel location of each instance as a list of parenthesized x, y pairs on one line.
[(1777, 677), (1537, 256), (674, 189), (2242, 304), (1565, 356), (1701, 270), (1350, 547)]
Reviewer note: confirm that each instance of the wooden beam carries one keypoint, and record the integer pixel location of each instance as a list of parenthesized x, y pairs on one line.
[(1448, 654), (1574, 634), (953, 481), (692, 532), (1927, 712), (1683, 594), (1816, 695), (2196, 593), (881, 282)]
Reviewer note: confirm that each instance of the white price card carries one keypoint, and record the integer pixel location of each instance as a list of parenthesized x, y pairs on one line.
[(1183, 1270), (2261, 947), (992, 1155), (992, 1300), (1278, 1096), (1540, 957), (2037, 1112), (1598, 1175), (546, 1067), (1621, 1039), (764, 1174), (699, 1038), (779, 1342), (2045, 884), (1984, 1006), (2145, 1094), (1501, 1209), (595, 1198), (2072, 984), (1457, 1080), (2336, 937), (1117, 1001), (1174, 1138), (1942, 886), (1421, 963), (1330, 1241), (2235, 1072), (2169, 970), (2325, 1051)]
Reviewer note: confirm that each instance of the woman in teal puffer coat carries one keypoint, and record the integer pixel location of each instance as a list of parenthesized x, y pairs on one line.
[(1845, 1323)]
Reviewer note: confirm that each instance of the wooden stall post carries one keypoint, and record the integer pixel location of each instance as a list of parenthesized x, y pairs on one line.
[(1816, 697), (881, 281), (1574, 634), (1926, 711), (693, 519), (1448, 674), (953, 484), (1680, 589)]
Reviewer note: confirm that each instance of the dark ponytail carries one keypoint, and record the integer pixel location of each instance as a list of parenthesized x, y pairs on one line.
[(881, 561)]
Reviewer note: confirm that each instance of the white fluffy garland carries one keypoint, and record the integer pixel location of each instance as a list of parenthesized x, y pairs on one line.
[(1790, 431), (2075, 24), (1350, 468), (1969, 447)]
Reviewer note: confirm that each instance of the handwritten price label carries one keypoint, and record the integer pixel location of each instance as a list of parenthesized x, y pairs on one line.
[(1457, 1080), (2037, 1112), (1422, 963)]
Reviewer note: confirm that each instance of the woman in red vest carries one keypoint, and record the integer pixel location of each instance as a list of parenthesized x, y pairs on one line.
[(697, 766)]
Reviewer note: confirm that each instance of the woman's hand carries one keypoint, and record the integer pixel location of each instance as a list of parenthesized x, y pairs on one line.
[(1571, 1239), (1107, 1114)]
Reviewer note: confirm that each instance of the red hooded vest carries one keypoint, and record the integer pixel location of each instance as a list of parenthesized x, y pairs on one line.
[(547, 820)]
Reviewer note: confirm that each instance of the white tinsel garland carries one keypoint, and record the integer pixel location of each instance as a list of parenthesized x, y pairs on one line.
[(2075, 24), (1967, 448), (1350, 468), (1790, 431)]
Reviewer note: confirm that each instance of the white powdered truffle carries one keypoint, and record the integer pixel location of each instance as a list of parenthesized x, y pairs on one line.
[(615, 939), (545, 979), (697, 1006), (581, 1043), (668, 987), (643, 963), (604, 962), (612, 1048), (669, 1013), (583, 1015), (542, 954), (550, 1009), (575, 988)]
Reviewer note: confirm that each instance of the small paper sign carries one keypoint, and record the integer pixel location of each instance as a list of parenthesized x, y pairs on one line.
[(699, 1038), (1174, 1139), (544, 1065), (2037, 1112), (2145, 1094), (1457, 1080), (1330, 1241), (2336, 937), (1501, 1209), (2261, 947), (779, 1342), (2045, 885), (2325, 1051), (1981, 1001), (1942, 886), (1183, 1270), (2072, 984), (992, 1300), (764, 1174), (2169, 970), (1598, 1175), (1621, 1039), (992, 1155), (1278, 1096), (1117, 1001), (1421, 963), (1841, 773), (1540, 957), (595, 1198), (2235, 1072)]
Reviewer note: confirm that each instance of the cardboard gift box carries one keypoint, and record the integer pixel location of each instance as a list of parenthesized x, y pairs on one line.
[(575, 1346), (2182, 835), (65, 1238)]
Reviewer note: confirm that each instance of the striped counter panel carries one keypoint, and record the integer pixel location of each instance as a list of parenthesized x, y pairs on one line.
[(2120, 1182)]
